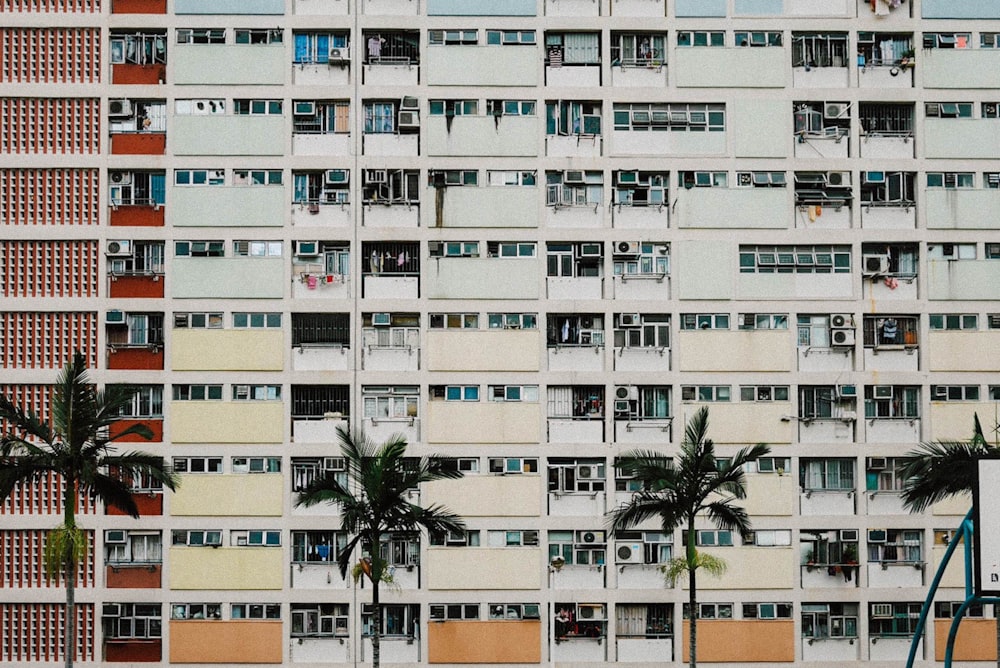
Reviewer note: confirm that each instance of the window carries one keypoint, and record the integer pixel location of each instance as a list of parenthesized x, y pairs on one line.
[(398, 620), (453, 248), (953, 321), (320, 188), (795, 259), (572, 476), (452, 177), (814, 330), (257, 248), (950, 180), (887, 188), (128, 621), (380, 117), (585, 548), (507, 465), (399, 549), (761, 179), (505, 37), (253, 538), (259, 35), (832, 475), (317, 47), (242, 320), (195, 611), (197, 392), (572, 48), (767, 610), (147, 402), (769, 538), (202, 107), (391, 330), (823, 188), (568, 117), (990, 110), (198, 320), (894, 545), (453, 611), (197, 464), (937, 252), (948, 109), (993, 320), (320, 620), (132, 547), (526, 393), (317, 546), (469, 538), (954, 393), (513, 610), (884, 474), (701, 38), (711, 611), (462, 464), (201, 36), (763, 393), (526, 538), (574, 188), (635, 188), (763, 320), (829, 547), (651, 402), (989, 40), (454, 320), (829, 620), (891, 332), (257, 107), (819, 50), (455, 392), (758, 38), (705, 179), (638, 49), (575, 330), (948, 609), (199, 248), (307, 469), (884, 119), (390, 186), (257, 177), (256, 392), (577, 260), (580, 620), (817, 402), (453, 107), (142, 189), (138, 48), (676, 117), (392, 47), (436, 37), (510, 178), (256, 464), (316, 401), (199, 177), (196, 538), (705, 393), (947, 40), (656, 547), (511, 108), (390, 402), (511, 249), (255, 611), (634, 260), (713, 537), (578, 402), (512, 320), (704, 321), (642, 330), (892, 402)]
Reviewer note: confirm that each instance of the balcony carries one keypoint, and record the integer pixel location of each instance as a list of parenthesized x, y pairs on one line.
[(827, 502), (138, 143), (484, 422), (901, 430), (131, 575), (337, 73), (329, 143), (483, 350), (320, 357), (123, 356), (129, 73), (337, 215), (510, 136), (136, 215), (139, 7), (129, 650), (875, 216), (227, 206), (154, 424), (149, 503), (317, 431), (136, 286)]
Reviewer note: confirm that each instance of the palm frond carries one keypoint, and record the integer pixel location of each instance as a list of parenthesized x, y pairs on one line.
[(725, 515), (937, 470), (112, 491), (22, 424)]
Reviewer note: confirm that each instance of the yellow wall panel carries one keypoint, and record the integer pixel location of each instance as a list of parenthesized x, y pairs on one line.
[(242, 568), (483, 422), (226, 421), (487, 495), (226, 350), (239, 495), (484, 568)]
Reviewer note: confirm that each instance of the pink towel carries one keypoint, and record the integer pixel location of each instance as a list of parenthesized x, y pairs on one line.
[(311, 282)]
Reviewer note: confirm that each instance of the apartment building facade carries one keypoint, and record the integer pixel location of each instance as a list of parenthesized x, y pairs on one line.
[(530, 235)]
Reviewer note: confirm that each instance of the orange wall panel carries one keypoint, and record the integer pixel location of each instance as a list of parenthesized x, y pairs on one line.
[(484, 642), (139, 143), (137, 216), (142, 287), (240, 641), (133, 577), (743, 641), (139, 6), (155, 426), (148, 504), (976, 641), (135, 358), (126, 73), (142, 651)]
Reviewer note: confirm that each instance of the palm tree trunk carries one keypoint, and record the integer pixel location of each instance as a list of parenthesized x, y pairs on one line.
[(692, 597), (377, 627), (69, 572)]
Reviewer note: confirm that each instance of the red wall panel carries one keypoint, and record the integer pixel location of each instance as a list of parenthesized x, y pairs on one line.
[(137, 216), (50, 55), (74, 6), (131, 73), (50, 125), (135, 358), (139, 143), (135, 577), (148, 287), (155, 425), (49, 197), (23, 558), (48, 268), (34, 632), (139, 651), (30, 340), (138, 6), (45, 497)]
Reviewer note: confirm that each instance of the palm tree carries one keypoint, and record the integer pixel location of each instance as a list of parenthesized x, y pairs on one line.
[(373, 502), (678, 492), (938, 470), (73, 443)]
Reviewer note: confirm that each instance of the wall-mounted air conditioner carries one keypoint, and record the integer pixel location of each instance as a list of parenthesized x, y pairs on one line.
[(627, 392), (307, 248), (376, 176), (626, 248), (409, 119), (874, 264), (628, 553), (573, 177), (111, 610), (629, 320), (627, 178), (591, 611), (120, 178), (876, 463), (114, 537), (589, 537), (338, 56), (304, 108), (115, 317), (119, 108), (838, 178), (847, 391), (120, 248), (836, 109), (842, 337), (848, 535), (842, 321), (381, 319), (336, 177), (883, 391), (876, 535), (334, 464)]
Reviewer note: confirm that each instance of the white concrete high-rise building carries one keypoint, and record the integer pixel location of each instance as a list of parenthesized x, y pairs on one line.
[(530, 235)]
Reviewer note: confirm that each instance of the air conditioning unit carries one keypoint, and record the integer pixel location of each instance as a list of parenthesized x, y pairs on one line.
[(848, 535), (119, 108), (333, 464), (882, 610), (627, 178), (630, 392), (307, 248), (340, 625), (883, 392), (842, 337), (589, 537), (873, 177), (875, 265), (586, 472), (626, 248), (629, 320), (304, 108), (989, 109), (115, 317), (409, 119), (847, 391), (622, 407), (114, 537), (939, 392), (111, 610), (120, 248), (842, 321), (120, 178), (876, 463), (336, 177), (876, 535), (376, 176), (838, 178), (744, 179), (573, 177), (628, 553), (409, 102), (381, 319), (836, 109), (589, 250), (592, 612), (338, 56)]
